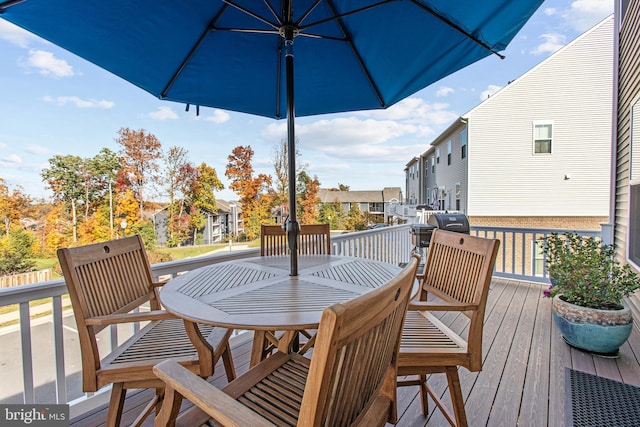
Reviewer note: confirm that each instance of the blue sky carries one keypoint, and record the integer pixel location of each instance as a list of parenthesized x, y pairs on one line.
[(53, 102)]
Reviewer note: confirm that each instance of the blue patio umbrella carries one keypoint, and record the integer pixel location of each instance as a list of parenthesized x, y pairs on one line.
[(238, 54)]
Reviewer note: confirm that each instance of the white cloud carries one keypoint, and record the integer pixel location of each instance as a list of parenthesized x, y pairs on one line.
[(584, 14), (37, 149), (415, 111), (47, 64), (3, 146), (14, 34), (80, 103), (218, 116), (444, 91), (489, 91), (163, 113), (550, 44), (12, 160), (550, 11)]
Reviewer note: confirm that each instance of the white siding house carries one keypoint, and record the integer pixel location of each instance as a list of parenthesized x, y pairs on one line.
[(540, 147)]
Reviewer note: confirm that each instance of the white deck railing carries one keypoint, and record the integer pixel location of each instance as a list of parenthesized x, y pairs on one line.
[(61, 382), (390, 244)]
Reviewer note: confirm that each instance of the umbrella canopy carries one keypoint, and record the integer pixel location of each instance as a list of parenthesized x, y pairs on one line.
[(238, 54)]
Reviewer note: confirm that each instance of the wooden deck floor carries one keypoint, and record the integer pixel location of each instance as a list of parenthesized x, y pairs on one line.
[(522, 382)]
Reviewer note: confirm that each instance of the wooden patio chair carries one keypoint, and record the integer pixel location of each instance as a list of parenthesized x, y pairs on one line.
[(457, 270), (107, 282), (349, 380), (314, 239)]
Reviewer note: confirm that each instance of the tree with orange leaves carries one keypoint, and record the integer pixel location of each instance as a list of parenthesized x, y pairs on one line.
[(140, 154), (255, 193)]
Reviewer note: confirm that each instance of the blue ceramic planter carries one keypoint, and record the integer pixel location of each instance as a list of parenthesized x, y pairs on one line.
[(598, 331)]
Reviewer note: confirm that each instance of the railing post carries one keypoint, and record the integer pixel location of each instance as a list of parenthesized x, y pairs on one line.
[(27, 354)]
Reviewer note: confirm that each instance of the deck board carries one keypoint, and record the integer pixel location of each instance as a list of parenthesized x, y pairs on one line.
[(522, 381)]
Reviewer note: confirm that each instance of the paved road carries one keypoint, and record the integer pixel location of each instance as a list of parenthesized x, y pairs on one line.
[(43, 353), (44, 359)]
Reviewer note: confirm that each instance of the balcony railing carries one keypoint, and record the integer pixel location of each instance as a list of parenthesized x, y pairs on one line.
[(60, 383)]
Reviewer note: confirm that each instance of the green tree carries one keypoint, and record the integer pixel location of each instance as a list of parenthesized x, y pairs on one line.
[(334, 214), (16, 252), (64, 177)]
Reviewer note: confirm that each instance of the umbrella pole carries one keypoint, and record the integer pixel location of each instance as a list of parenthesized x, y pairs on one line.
[(293, 228)]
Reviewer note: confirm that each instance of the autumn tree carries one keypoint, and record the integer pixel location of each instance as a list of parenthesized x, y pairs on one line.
[(14, 205), (356, 220), (201, 195), (308, 199), (140, 154), (253, 190)]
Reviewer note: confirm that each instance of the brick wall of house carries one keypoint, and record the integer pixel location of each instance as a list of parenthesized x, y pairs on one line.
[(567, 222)]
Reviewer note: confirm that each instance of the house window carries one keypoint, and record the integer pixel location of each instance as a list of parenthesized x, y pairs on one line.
[(433, 165), (449, 152), (463, 144), (458, 195), (542, 137), (438, 155), (634, 224), (538, 258)]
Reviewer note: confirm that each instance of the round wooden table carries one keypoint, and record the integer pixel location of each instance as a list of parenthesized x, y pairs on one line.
[(259, 294)]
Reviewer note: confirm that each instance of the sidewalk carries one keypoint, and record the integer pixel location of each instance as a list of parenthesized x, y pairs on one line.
[(13, 317)]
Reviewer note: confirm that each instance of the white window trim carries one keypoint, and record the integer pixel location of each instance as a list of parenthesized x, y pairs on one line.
[(533, 136)]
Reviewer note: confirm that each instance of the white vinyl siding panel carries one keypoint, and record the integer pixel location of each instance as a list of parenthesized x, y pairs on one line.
[(572, 88), (628, 93)]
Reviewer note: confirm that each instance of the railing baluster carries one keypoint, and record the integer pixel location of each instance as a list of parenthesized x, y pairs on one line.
[(27, 354), (58, 340)]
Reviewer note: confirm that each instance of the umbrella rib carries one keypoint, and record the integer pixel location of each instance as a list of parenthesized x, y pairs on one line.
[(368, 75), (252, 14), (336, 17), (192, 52), (8, 4), (456, 27)]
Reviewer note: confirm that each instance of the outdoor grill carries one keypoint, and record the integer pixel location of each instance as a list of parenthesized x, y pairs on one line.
[(450, 222), (421, 234)]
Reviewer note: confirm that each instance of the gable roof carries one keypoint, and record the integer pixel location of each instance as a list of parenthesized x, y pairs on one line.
[(370, 196)]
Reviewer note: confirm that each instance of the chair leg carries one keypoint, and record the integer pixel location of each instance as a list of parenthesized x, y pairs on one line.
[(169, 409), (154, 404), (424, 394), (456, 396), (227, 360), (116, 403)]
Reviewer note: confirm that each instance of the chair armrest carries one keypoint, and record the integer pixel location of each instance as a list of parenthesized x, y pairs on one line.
[(129, 317), (159, 284), (218, 405), (440, 306)]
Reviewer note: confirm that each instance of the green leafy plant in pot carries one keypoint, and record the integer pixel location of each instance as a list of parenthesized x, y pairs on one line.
[(588, 285)]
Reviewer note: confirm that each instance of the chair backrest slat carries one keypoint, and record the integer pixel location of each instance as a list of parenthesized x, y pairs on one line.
[(355, 352), (459, 268), (314, 239), (473, 258), (102, 279)]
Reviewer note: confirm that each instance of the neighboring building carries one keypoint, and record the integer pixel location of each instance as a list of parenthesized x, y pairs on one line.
[(536, 153), (219, 226), (382, 204)]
